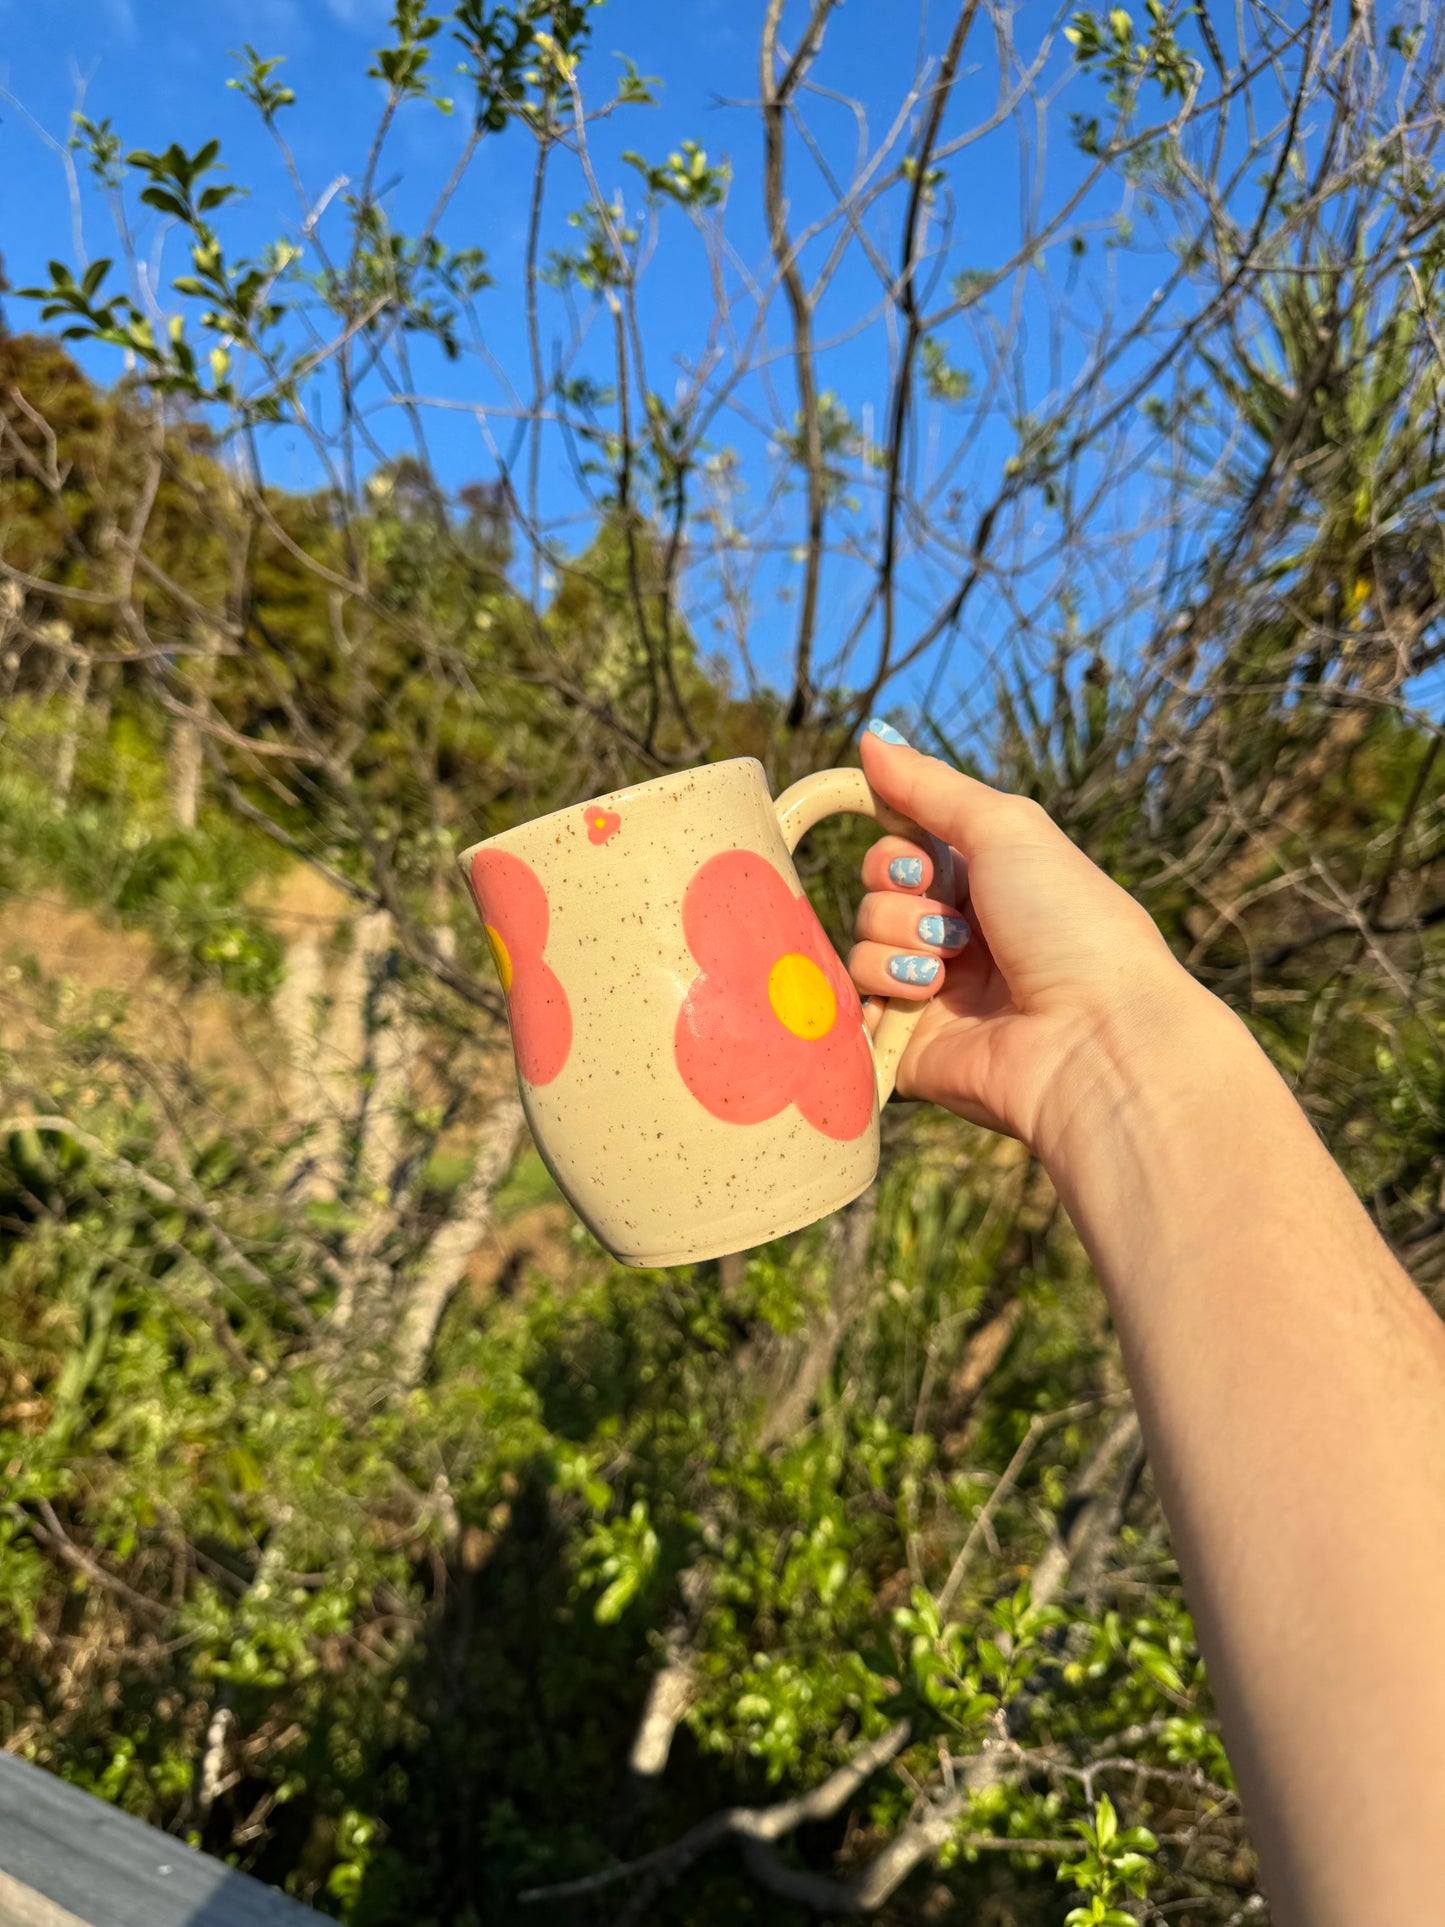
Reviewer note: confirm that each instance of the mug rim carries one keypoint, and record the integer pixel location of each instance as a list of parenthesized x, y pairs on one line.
[(613, 797)]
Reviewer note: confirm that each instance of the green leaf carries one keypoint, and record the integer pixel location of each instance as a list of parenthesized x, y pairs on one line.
[(618, 1596), (1139, 1837), (1106, 1821), (991, 1657), (163, 199), (1157, 1664)]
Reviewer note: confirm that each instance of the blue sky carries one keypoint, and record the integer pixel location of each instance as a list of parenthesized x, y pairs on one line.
[(158, 68), (165, 80)]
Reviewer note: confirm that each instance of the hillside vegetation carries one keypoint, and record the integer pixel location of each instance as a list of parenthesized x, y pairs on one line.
[(363, 1523)]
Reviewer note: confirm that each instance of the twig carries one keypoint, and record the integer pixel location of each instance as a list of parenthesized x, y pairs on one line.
[(777, 94), (52, 1534), (1041, 1423), (745, 1823)]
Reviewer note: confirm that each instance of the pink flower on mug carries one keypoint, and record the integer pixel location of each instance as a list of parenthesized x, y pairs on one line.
[(774, 1018), (515, 916), (601, 823)]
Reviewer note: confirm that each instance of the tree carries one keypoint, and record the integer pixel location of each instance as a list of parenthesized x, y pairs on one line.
[(763, 1587)]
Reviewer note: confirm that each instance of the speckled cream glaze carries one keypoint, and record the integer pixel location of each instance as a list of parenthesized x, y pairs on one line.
[(655, 1176), (648, 1168)]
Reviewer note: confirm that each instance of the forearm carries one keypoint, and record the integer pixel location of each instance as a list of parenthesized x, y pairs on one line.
[(1291, 1384)]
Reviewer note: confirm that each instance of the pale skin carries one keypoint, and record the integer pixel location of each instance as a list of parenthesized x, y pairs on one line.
[(1289, 1376)]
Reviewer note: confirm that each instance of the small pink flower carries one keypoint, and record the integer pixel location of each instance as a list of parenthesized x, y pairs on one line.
[(515, 916), (601, 823), (774, 1018)]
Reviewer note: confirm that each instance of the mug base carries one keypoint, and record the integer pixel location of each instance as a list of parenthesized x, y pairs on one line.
[(722, 1239)]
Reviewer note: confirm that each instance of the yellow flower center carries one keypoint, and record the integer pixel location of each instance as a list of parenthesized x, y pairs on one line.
[(600, 822), (801, 996), (501, 956)]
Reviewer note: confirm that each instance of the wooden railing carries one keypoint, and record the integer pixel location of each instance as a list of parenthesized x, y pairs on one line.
[(69, 1860)]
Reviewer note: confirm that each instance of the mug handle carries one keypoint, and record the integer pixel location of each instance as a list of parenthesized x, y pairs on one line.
[(846, 792)]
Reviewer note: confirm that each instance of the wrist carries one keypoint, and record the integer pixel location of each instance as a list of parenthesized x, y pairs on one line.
[(1137, 1073)]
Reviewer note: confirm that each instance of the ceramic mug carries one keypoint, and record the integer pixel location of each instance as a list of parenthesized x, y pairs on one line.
[(691, 1052)]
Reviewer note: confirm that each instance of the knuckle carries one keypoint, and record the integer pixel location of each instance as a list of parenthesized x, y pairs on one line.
[(1027, 815)]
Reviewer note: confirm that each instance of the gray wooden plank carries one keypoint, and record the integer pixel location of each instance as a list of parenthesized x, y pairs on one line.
[(104, 1868), (23, 1907)]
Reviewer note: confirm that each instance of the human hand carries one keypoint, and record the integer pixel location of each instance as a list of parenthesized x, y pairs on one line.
[(1061, 979)]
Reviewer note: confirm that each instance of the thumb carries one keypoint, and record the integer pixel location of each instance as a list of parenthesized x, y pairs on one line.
[(958, 809)]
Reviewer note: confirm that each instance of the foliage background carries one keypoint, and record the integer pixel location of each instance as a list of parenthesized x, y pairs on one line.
[(364, 1525)]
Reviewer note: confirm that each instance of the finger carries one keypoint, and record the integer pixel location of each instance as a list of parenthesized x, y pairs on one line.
[(881, 970), (907, 922), (894, 863), (957, 808)]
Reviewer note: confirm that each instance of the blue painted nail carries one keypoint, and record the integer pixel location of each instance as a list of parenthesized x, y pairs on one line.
[(907, 871), (949, 933), (885, 732), (913, 970)]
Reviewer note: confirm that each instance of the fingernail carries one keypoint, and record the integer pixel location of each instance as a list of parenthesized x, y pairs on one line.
[(913, 970), (885, 732), (949, 933), (907, 871)]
